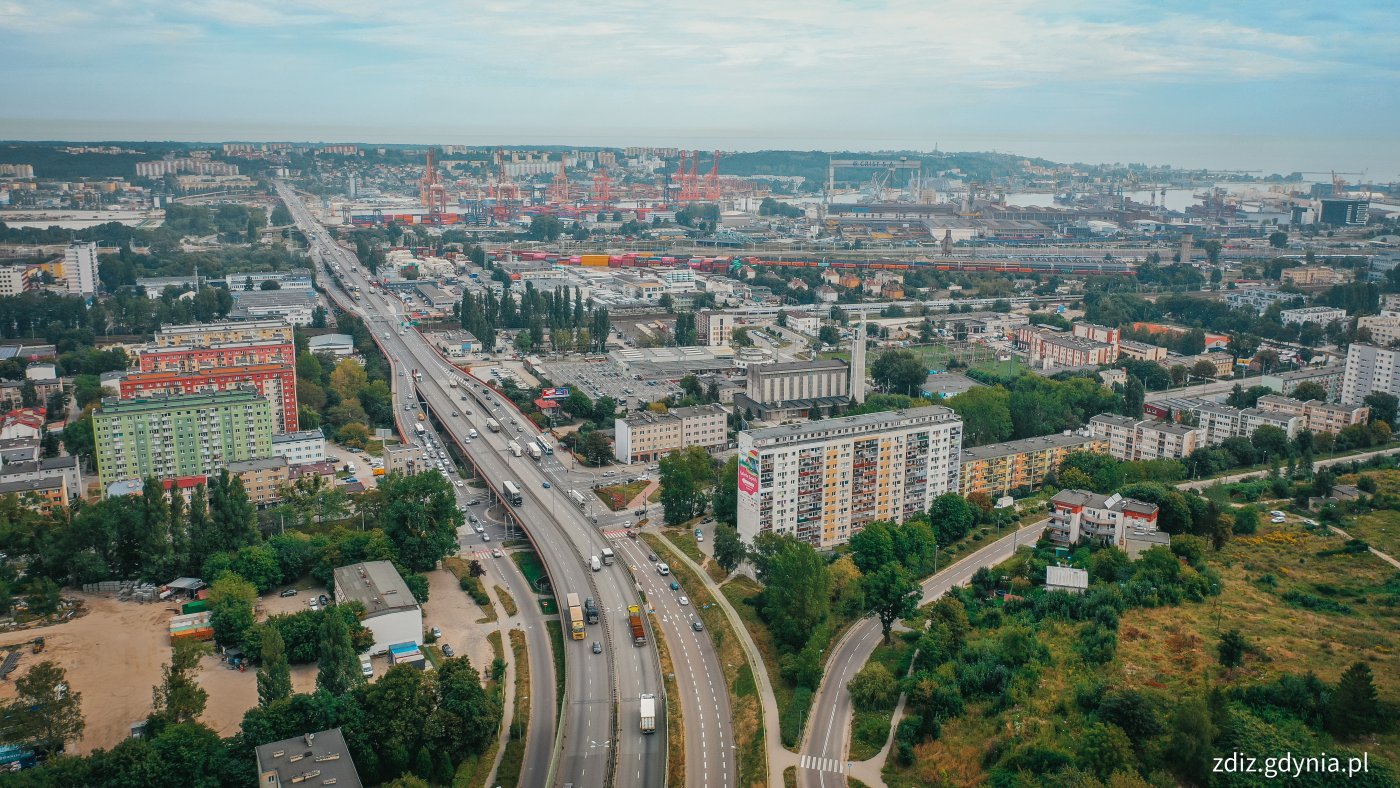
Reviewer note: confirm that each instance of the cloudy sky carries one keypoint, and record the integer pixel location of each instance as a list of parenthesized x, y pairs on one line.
[(1278, 85)]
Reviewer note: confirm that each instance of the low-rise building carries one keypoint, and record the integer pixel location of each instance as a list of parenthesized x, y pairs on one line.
[(647, 436), (1260, 299), (1329, 377), (1049, 348), (262, 478), (295, 306), (1317, 416), (1133, 439), (41, 495), (1001, 468), (942, 385), (18, 450), (404, 458), (391, 612), (66, 469), (1067, 579), (1314, 275), (1141, 350), (300, 447), (311, 759), (1321, 315), (338, 345), (1078, 516), (23, 423)]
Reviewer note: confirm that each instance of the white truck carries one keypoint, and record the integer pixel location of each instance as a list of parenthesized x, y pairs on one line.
[(534, 450), (493, 425), (514, 448), (648, 714), (577, 497)]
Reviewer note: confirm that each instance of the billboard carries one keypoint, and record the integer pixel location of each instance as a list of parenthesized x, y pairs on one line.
[(554, 393), (748, 473)]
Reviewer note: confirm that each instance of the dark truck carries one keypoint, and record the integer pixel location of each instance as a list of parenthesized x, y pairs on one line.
[(590, 611)]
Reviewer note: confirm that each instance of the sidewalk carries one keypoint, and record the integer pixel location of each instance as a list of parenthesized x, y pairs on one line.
[(1384, 557), (503, 625), (778, 757)]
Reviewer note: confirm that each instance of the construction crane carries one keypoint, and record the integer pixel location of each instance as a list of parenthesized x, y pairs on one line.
[(602, 187), (712, 192), (559, 187), (1338, 184)]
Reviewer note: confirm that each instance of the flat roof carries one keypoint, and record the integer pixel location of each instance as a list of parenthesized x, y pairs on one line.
[(376, 585), (300, 435), (313, 759), (1025, 445), (865, 422), (234, 396)]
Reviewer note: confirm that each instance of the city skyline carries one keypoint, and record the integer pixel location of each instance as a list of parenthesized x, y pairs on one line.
[(1195, 86)]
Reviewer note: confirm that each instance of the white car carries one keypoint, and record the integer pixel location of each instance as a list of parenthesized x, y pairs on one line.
[(1276, 513), (683, 600)]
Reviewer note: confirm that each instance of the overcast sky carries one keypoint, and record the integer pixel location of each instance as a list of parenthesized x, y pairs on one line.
[(1276, 85)]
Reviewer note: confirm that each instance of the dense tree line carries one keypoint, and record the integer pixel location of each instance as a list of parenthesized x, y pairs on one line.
[(1031, 406), (569, 322)]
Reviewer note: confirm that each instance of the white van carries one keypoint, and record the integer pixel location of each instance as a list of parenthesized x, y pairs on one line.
[(662, 569), (595, 563), (471, 433)]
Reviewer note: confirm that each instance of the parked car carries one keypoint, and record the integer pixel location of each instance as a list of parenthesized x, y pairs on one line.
[(324, 601), (447, 651), (437, 633), (288, 592)]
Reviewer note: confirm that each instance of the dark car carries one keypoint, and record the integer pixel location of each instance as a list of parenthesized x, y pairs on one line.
[(324, 600), (651, 556), (288, 592), (597, 647), (696, 625), (675, 586), (447, 651)]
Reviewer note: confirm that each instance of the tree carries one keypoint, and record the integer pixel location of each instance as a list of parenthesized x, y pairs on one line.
[(348, 378), (1354, 708), (873, 546), (1232, 648), (829, 335), (1269, 441), (899, 372), (952, 517), (338, 667), (1190, 733), (1382, 405), (873, 687), (47, 713), (420, 517), (1104, 749), (179, 698), (1278, 239), (595, 448), (231, 602), (1134, 395), (275, 675), (796, 595), (1204, 369), (729, 549), (545, 228), (725, 500), (986, 414), (685, 333), (1309, 390), (891, 595), (685, 475)]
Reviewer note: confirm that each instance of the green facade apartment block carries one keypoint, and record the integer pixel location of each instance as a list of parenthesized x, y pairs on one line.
[(180, 435)]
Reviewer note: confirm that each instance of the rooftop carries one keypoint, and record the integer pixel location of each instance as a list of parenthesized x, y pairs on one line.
[(312, 759), (261, 464), (866, 422), (300, 435), (1022, 446), (114, 406), (376, 585)]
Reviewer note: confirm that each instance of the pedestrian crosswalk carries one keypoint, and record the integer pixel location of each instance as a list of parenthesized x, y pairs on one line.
[(616, 533), (832, 765), (477, 554)]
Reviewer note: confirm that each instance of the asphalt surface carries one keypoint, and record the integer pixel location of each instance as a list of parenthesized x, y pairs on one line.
[(597, 690), (822, 758), (710, 748)]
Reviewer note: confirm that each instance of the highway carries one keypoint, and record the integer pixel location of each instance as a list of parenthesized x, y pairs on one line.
[(825, 742), (600, 734), (710, 748)]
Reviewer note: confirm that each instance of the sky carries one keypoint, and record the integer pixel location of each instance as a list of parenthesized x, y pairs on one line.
[(1275, 85)]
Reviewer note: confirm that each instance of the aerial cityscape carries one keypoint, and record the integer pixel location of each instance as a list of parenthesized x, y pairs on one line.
[(912, 395)]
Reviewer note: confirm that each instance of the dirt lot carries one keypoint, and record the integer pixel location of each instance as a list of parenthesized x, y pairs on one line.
[(451, 610), (113, 656)]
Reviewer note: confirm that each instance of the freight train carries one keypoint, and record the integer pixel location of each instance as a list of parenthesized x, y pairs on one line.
[(1039, 264)]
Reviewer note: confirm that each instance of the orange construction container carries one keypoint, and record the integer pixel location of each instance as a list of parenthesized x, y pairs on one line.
[(594, 260)]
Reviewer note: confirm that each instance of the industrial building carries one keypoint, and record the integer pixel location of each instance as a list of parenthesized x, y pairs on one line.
[(777, 392), (822, 481), (391, 612)]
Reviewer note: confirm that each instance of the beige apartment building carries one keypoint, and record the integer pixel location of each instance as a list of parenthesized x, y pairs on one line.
[(263, 479), (1132, 439), (206, 334), (1318, 416), (647, 436)]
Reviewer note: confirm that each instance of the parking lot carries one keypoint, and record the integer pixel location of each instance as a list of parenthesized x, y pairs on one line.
[(604, 378)]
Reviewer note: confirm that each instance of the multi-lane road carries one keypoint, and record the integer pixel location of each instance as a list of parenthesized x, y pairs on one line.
[(600, 733)]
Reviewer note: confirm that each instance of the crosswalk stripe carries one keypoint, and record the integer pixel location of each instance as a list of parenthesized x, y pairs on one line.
[(815, 763)]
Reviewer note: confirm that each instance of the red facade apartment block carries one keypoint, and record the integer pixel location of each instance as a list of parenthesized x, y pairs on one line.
[(276, 382)]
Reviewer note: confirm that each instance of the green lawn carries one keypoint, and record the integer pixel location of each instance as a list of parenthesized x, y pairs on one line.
[(619, 496), (1380, 529), (936, 356)]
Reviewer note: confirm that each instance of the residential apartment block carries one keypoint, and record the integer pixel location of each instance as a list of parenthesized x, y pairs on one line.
[(1321, 315), (217, 356), (1384, 328), (1049, 348), (714, 328), (1221, 422), (223, 332), (65, 469), (1317, 416), (1316, 275), (276, 382), (80, 268), (1079, 516), (647, 436), (822, 481), (1260, 298), (1370, 368), (41, 495), (262, 478), (300, 447), (1329, 377), (183, 435), (1132, 439), (1000, 468)]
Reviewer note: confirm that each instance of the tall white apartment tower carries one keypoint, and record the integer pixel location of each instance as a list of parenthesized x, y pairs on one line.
[(858, 365), (80, 268)]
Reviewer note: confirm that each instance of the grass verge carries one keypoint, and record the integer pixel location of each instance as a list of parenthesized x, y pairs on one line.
[(473, 586), (675, 720), (870, 729), (494, 638), (618, 496), (739, 591), (509, 773), (507, 601), (745, 706), (556, 647), (790, 777)]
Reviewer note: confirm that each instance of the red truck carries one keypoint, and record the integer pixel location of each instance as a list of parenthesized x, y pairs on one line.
[(639, 633)]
